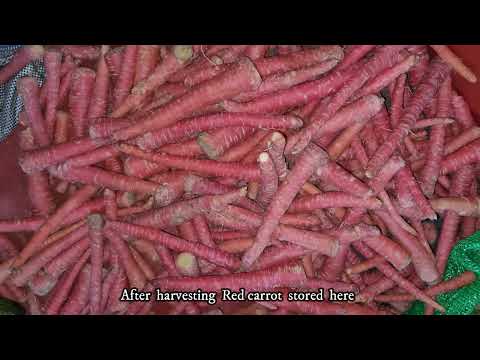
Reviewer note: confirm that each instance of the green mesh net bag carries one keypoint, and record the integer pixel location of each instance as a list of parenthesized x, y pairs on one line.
[(465, 256)]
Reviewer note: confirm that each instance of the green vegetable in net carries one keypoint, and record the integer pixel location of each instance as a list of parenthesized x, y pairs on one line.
[(9, 307), (465, 256)]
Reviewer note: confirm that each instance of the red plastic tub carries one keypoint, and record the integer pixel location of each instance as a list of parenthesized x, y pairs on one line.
[(14, 201)]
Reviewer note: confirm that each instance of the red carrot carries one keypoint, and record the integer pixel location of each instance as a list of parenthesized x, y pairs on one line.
[(40, 194), (126, 76), (256, 51), (53, 222), (406, 177), (397, 96), (391, 273), (107, 286), (455, 283), (215, 143), (458, 159), (114, 304), (431, 170), (288, 98), (20, 225), (37, 183), (52, 63), (95, 226), (46, 279), (455, 62), (65, 86), (343, 141), (208, 167), (422, 259), (83, 82), (417, 73), (59, 296), (269, 179), (388, 171), (179, 212), (460, 187), (242, 77), (98, 102), (354, 53), (113, 58), (79, 295), (95, 176), (135, 275), (286, 275), (31, 267), (334, 174), (22, 57), (462, 111), (7, 248), (437, 72), (209, 122), (420, 124), (172, 62), (359, 111), (62, 122), (82, 52), (275, 149), (28, 90), (277, 82), (147, 58), (387, 77), (146, 268), (237, 245), (301, 59), (333, 199), (390, 250), (220, 236), (210, 254), (384, 58), (203, 231), (310, 160)]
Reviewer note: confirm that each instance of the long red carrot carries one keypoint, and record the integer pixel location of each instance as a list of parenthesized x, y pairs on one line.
[(28, 90), (455, 62), (95, 226), (98, 102), (208, 167), (147, 58), (135, 275), (210, 254), (209, 122), (242, 77), (286, 275), (437, 72), (83, 81), (310, 160), (53, 222), (52, 63), (59, 296), (79, 295)]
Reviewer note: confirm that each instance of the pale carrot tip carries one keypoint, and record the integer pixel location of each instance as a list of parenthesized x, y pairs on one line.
[(95, 221), (263, 157), (244, 191)]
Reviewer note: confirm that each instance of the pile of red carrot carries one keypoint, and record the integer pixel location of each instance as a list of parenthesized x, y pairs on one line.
[(264, 167)]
